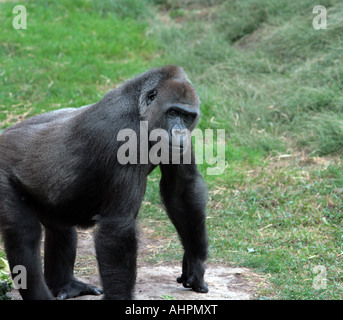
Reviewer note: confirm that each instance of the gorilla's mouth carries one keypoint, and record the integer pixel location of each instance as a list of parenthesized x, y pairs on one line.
[(178, 143), (176, 146)]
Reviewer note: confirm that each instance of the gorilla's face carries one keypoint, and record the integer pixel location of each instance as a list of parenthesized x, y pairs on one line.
[(172, 104)]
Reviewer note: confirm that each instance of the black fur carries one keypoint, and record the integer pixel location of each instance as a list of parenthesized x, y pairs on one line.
[(60, 169)]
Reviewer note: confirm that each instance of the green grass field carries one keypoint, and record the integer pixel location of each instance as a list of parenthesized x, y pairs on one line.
[(263, 73)]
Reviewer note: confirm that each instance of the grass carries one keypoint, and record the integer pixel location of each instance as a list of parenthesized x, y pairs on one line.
[(282, 218), (268, 78), (262, 72), (69, 56)]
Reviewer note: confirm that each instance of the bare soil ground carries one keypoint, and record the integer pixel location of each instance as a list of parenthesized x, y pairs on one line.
[(158, 281)]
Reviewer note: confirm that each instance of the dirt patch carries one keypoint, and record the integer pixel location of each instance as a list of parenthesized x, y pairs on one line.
[(224, 284), (158, 281)]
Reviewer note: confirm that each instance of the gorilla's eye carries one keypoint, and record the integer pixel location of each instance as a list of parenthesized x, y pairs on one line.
[(151, 97), (172, 113)]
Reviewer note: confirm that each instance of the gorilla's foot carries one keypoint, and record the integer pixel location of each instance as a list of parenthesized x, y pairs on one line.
[(76, 288)]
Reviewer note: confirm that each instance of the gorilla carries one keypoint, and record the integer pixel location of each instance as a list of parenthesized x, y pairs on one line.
[(60, 170)]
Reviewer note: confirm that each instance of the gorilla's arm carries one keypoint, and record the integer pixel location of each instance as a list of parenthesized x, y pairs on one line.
[(183, 193)]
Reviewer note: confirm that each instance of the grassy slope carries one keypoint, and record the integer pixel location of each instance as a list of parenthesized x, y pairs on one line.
[(263, 74)]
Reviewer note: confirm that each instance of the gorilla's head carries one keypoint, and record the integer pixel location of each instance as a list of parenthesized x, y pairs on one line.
[(168, 101)]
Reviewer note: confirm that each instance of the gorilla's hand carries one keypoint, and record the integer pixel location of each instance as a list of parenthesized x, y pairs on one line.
[(193, 276), (192, 281)]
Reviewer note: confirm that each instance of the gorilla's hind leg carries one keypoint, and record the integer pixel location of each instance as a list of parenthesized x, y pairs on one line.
[(22, 239), (59, 259)]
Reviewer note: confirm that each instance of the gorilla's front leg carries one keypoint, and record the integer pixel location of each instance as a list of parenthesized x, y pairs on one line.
[(116, 250), (59, 259), (184, 196)]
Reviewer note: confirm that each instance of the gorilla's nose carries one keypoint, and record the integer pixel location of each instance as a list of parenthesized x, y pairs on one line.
[(179, 136)]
